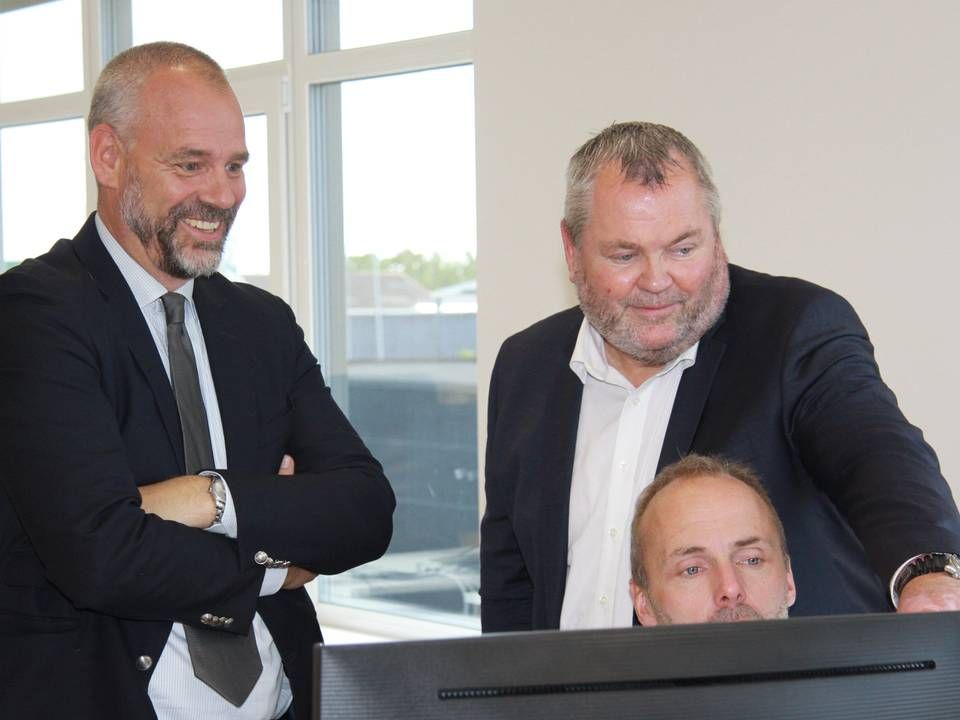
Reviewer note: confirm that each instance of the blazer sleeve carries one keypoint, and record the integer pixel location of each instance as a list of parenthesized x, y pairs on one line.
[(64, 470), (506, 588), (336, 512), (852, 437)]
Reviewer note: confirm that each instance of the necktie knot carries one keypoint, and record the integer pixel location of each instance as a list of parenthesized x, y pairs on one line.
[(173, 308)]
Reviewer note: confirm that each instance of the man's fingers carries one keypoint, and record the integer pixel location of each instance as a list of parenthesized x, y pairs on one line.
[(286, 466)]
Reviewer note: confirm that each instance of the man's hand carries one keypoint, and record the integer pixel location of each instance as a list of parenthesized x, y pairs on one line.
[(296, 578), (185, 499), (933, 592)]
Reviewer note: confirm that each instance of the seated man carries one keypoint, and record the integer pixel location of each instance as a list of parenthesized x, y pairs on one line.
[(708, 546)]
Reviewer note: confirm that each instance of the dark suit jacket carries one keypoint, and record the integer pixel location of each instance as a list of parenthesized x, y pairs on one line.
[(89, 583), (786, 382)]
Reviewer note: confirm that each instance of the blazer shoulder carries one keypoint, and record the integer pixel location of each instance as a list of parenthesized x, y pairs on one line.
[(781, 299), (558, 332), (55, 275)]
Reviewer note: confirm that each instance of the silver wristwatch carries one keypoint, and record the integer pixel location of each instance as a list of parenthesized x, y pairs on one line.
[(922, 565), (218, 491)]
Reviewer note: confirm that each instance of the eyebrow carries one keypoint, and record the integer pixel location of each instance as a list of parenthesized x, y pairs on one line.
[(695, 549), (693, 232), (191, 153)]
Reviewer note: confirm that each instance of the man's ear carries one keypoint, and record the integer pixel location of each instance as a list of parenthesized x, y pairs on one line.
[(570, 251), (106, 156), (791, 586), (641, 605)]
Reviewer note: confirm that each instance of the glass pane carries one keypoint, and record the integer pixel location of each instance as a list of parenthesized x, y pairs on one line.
[(404, 165), (255, 32), (247, 251), (357, 23), (42, 186), (41, 51)]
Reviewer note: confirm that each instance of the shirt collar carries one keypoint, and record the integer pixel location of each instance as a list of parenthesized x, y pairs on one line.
[(146, 289), (590, 358)]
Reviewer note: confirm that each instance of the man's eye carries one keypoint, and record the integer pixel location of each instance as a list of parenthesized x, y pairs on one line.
[(190, 167), (235, 168), (624, 257), (692, 570), (683, 250), (753, 561)]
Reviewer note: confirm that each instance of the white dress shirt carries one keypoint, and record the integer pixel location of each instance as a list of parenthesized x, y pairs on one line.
[(619, 439), (174, 690)]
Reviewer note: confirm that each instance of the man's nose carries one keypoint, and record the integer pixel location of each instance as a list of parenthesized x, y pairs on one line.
[(223, 190), (654, 277), (729, 590)]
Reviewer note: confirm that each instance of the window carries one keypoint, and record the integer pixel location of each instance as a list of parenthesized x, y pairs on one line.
[(400, 164), (41, 167), (362, 23), (255, 32), (41, 51)]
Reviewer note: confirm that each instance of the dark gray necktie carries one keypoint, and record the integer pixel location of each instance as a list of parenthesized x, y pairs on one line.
[(228, 663)]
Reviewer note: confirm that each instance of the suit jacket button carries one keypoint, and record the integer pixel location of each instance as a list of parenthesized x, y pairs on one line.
[(261, 558), (144, 663)]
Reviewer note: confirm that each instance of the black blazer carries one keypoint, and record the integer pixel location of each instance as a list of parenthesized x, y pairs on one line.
[(786, 382), (89, 583)]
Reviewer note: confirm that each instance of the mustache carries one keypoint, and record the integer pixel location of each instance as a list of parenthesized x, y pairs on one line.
[(641, 298), (735, 614), (202, 211)]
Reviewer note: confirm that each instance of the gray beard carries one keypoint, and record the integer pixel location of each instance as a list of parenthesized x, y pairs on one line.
[(694, 321), (172, 261)]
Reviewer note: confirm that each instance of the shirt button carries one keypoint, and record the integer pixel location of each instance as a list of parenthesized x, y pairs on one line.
[(622, 464), (603, 599), (613, 533), (144, 663)]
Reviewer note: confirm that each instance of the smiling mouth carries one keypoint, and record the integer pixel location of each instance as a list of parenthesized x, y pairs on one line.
[(204, 225)]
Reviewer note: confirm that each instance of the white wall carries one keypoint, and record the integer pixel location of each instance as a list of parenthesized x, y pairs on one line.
[(833, 127)]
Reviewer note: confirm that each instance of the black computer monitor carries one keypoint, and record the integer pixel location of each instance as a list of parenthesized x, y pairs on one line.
[(854, 666)]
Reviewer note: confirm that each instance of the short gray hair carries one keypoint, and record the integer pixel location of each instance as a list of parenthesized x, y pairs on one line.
[(645, 152), (117, 92), (691, 466)]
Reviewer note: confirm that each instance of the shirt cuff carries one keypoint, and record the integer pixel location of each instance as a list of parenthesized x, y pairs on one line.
[(272, 581)]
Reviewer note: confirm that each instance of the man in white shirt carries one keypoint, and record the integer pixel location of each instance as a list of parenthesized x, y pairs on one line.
[(173, 467), (673, 350), (707, 546)]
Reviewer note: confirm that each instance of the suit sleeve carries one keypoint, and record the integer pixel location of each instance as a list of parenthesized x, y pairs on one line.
[(506, 589), (851, 436), (336, 512), (64, 470)]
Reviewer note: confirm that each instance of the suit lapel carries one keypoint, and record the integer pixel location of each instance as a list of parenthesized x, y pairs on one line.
[(232, 370), (130, 328), (562, 418), (692, 396)]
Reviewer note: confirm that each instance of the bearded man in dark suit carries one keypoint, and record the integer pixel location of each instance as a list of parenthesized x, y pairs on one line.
[(673, 351), (173, 466)]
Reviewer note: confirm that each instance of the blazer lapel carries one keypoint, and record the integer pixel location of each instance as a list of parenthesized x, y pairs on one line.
[(562, 418), (692, 396), (232, 370), (131, 328)]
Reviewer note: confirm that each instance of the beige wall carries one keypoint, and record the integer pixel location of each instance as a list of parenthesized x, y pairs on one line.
[(833, 127)]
